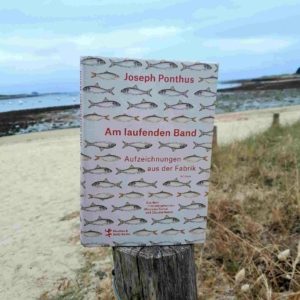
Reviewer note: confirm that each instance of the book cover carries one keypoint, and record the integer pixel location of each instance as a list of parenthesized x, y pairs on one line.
[(146, 139)]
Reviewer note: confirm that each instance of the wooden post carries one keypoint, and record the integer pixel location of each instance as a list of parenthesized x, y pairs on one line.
[(157, 272), (215, 137), (275, 120)]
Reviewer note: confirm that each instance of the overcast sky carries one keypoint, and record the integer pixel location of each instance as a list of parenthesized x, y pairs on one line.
[(41, 41)]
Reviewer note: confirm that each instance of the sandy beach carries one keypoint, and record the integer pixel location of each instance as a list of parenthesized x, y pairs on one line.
[(39, 191), (240, 125)]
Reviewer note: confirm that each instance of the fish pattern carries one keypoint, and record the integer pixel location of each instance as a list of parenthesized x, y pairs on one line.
[(97, 89), (135, 90), (96, 117), (125, 200), (144, 104), (106, 75), (164, 65), (105, 103)]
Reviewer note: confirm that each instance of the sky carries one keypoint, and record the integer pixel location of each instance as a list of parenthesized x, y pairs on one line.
[(41, 41)]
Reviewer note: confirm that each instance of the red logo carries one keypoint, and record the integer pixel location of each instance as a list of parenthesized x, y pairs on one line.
[(108, 232)]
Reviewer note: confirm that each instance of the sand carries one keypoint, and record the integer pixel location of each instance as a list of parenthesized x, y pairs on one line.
[(239, 125), (40, 185)]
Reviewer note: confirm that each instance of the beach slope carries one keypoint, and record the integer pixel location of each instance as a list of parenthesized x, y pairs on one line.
[(39, 191)]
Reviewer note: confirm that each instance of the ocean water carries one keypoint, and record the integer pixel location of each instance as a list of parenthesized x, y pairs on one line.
[(42, 101), (259, 99), (70, 118), (226, 101)]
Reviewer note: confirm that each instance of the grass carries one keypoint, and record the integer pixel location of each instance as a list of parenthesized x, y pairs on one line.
[(253, 245), (254, 214)]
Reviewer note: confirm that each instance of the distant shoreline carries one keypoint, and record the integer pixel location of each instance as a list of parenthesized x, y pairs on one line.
[(39, 119), (278, 82), (274, 82), (32, 95)]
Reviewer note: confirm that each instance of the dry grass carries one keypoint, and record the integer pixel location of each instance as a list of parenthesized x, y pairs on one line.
[(254, 216), (254, 219)]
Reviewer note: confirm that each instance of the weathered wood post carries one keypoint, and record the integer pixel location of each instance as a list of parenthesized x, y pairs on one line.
[(157, 272), (275, 119), (215, 137)]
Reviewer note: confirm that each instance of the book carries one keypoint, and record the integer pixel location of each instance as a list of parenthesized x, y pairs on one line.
[(146, 140)]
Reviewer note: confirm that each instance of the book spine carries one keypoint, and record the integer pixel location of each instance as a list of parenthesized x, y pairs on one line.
[(82, 180)]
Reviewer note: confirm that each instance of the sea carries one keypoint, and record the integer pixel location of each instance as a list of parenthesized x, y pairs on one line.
[(69, 118), (42, 101)]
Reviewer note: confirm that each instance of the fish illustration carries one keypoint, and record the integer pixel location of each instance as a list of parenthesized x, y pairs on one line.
[(194, 241), (165, 243), (107, 157), (101, 145), (166, 220), (192, 205), (126, 63), (173, 146), (96, 244), (176, 183), (142, 183), (161, 195), (95, 117), (205, 93), (137, 145), (92, 61), (144, 104), (107, 184), (180, 105), (207, 107), (82, 183), (91, 233), (196, 219), (126, 118), (99, 221), (203, 182), (210, 79), (155, 119), (171, 92), (188, 194), (129, 244), (205, 146), (101, 196), (131, 195), (97, 170), (126, 207), (164, 65), (145, 232), (105, 103), (97, 89), (130, 170), (208, 119), (208, 133), (195, 158), (105, 75), (134, 90), (172, 231), (197, 230), (196, 67), (132, 221), (184, 119), (85, 157), (203, 170), (94, 207)]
